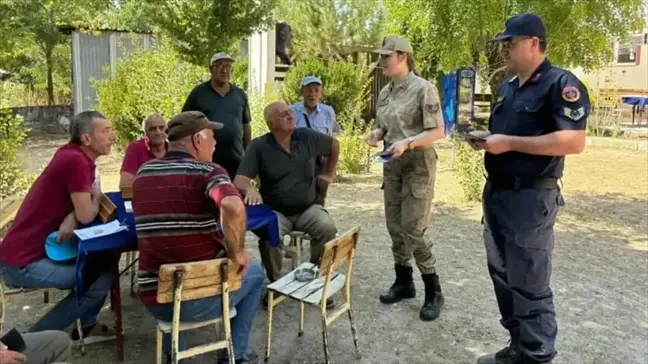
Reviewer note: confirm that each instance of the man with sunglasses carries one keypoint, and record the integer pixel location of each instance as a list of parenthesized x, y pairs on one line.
[(539, 116)]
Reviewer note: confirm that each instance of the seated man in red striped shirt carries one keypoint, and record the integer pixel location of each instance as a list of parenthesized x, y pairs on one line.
[(178, 202)]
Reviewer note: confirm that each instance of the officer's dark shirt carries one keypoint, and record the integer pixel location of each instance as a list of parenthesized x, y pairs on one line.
[(287, 179), (552, 99), (232, 110)]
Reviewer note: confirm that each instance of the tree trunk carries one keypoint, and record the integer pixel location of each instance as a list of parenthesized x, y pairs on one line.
[(50, 70)]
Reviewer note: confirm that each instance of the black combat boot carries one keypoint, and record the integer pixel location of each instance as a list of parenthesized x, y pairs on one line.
[(402, 288), (508, 355), (433, 298)]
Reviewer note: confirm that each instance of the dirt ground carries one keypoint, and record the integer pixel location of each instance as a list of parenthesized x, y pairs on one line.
[(600, 276)]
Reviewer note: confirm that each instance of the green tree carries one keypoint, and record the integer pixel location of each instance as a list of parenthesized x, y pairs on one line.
[(36, 22), (453, 33), (332, 28), (198, 28)]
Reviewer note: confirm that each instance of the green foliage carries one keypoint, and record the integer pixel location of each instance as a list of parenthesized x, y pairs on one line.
[(34, 48), (13, 179), (453, 33), (199, 28), (146, 82), (345, 87), (257, 104), (355, 154), (332, 28), (240, 73), (469, 170)]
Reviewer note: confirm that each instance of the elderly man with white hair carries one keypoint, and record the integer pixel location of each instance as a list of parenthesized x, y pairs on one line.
[(152, 146)]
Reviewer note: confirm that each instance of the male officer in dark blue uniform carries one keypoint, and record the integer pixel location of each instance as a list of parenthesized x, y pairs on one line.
[(539, 117)]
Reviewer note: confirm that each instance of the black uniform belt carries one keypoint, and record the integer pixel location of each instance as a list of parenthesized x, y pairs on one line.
[(518, 183)]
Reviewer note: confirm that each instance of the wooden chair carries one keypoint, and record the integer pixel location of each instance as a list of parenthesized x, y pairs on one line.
[(190, 281), (337, 253)]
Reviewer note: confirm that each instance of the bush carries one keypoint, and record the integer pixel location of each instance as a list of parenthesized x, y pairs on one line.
[(469, 170), (13, 179), (145, 83), (355, 154), (240, 73), (346, 87)]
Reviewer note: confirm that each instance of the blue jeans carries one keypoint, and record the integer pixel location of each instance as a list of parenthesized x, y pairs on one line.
[(245, 300), (46, 273)]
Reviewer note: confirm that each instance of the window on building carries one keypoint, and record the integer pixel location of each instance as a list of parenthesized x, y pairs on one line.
[(629, 50)]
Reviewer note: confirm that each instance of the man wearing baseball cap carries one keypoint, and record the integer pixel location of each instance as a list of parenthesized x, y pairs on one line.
[(311, 113), (228, 104), (539, 116), (176, 224)]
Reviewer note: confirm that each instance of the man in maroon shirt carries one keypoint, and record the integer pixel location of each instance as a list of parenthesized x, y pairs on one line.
[(63, 195), (152, 146), (186, 210)]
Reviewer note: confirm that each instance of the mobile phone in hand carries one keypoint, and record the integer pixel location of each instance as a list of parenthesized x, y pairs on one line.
[(14, 341)]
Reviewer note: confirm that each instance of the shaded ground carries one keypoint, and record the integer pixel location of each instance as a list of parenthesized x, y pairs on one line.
[(600, 277)]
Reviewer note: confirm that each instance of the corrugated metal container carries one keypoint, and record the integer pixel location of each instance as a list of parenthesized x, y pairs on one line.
[(95, 56)]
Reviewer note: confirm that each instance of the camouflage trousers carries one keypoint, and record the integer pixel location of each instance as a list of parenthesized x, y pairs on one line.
[(409, 191)]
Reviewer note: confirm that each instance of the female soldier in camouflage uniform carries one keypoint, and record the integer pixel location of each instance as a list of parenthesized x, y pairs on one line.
[(409, 120)]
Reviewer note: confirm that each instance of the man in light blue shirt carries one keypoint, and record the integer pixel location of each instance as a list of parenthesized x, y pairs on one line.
[(312, 114)]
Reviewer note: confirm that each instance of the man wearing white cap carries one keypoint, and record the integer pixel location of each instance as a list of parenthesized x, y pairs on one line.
[(225, 103)]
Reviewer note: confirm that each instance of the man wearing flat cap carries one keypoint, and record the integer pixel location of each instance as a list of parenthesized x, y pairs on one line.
[(539, 117), (187, 209), (225, 103)]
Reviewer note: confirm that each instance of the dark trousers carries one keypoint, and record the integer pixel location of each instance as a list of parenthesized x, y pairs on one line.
[(519, 239)]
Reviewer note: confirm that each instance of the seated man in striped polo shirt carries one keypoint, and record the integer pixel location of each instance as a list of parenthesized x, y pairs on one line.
[(178, 202)]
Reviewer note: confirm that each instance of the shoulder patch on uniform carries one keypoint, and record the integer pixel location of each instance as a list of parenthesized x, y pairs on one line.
[(432, 108), (570, 94), (574, 114)]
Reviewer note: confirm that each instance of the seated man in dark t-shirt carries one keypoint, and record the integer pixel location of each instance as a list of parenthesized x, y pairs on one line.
[(284, 161)]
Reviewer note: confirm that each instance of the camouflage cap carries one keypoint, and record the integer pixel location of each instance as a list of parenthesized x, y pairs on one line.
[(395, 43), (188, 123)]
